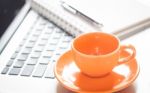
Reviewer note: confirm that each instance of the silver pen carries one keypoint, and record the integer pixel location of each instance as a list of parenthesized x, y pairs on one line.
[(80, 14)]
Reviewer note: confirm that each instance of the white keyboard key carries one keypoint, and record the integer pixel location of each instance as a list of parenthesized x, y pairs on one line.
[(32, 61), (40, 70), (35, 54), (14, 71), (50, 71), (44, 60), (5, 70), (23, 57), (19, 64), (27, 71)]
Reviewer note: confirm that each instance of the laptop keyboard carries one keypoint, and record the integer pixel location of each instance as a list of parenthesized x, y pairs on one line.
[(38, 51)]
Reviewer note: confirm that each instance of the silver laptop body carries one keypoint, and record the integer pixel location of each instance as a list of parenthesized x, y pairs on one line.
[(29, 50)]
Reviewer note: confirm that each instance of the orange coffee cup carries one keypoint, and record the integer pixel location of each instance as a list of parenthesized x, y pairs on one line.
[(97, 53)]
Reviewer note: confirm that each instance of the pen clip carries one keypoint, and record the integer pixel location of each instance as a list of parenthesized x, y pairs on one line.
[(74, 11), (67, 7)]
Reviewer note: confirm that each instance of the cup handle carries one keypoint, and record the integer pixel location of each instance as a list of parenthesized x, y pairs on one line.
[(128, 58)]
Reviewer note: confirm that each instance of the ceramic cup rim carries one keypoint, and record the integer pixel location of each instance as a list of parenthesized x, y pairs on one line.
[(104, 55)]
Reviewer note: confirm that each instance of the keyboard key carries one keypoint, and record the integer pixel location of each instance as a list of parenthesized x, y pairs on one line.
[(37, 33), (32, 61), (14, 55), (40, 70), (50, 71), (46, 36), (39, 28), (27, 71), (67, 39), (33, 39), (48, 31), (54, 42), (26, 50), (51, 47), (43, 22), (57, 30), (18, 49), (44, 60), (42, 42), (35, 54), (39, 48), (47, 54), (19, 64), (27, 35), (65, 45), (50, 26), (23, 57), (14, 71), (22, 42), (57, 36), (9, 63), (30, 44), (5, 70)]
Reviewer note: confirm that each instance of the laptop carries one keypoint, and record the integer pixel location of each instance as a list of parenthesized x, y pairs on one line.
[(30, 46)]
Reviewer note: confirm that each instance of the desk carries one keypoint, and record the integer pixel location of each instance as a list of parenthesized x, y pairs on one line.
[(141, 41)]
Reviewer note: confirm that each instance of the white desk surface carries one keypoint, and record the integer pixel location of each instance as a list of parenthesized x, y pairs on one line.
[(141, 41)]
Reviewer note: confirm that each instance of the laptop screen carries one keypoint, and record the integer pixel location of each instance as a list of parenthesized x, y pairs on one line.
[(8, 10)]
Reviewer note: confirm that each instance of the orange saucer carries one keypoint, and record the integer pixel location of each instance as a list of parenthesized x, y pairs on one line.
[(71, 78)]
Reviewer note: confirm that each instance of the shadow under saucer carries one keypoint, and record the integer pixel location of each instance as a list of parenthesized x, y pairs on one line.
[(130, 89), (61, 89)]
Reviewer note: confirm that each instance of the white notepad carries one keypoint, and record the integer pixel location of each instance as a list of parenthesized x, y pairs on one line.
[(115, 15), (52, 10)]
